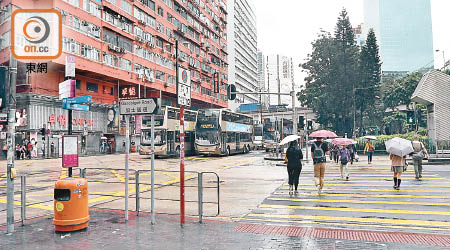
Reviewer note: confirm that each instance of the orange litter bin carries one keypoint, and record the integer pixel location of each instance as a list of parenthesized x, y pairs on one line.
[(71, 211)]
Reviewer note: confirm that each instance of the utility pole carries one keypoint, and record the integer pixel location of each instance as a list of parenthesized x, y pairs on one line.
[(278, 79), (11, 104)]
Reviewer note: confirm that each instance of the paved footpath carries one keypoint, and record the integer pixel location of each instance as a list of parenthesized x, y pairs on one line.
[(107, 230)]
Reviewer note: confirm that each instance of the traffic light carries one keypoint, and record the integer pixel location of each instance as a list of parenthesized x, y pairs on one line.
[(301, 121), (309, 125), (231, 88), (216, 82), (42, 131), (410, 119), (419, 116)]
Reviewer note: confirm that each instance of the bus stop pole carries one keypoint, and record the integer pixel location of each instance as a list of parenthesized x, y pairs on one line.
[(152, 171), (127, 152)]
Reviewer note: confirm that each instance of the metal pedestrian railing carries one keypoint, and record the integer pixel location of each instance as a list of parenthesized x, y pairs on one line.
[(139, 190), (28, 189)]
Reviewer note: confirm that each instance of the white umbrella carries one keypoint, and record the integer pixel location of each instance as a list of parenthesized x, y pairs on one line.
[(399, 146), (289, 138), (370, 137)]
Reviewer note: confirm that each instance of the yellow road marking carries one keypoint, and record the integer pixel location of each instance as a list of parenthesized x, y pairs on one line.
[(380, 190), (120, 177), (33, 206), (375, 175), (340, 224), (171, 175), (235, 165), (366, 220), (340, 181), (366, 210), (364, 202), (373, 195)]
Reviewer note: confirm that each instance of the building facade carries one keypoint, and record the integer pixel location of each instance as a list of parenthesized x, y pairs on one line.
[(121, 45), (242, 44), (404, 32), (280, 73)]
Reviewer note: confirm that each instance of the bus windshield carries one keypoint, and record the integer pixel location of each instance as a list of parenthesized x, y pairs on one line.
[(258, 130), (160, 137), (207, 128)]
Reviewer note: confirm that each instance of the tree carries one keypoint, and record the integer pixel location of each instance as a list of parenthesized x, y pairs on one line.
[(332, 70), (399, 92), (370, 70)]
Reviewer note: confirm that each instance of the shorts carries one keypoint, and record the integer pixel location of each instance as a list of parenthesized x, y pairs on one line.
[(398, 169)]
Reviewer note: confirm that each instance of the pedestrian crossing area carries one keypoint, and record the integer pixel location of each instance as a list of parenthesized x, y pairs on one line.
[(366, 201)]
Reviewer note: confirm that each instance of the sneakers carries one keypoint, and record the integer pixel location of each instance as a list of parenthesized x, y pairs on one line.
[(291, 188)]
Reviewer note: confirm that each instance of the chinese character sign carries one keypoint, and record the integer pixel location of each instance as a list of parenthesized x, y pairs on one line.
[(128, 92)]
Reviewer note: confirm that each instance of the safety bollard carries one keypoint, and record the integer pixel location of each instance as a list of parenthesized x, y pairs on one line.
[(23, 198), (200, 197), (138, 201)]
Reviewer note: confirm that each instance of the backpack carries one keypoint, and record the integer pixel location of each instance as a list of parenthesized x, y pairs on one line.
[(344, 157), (318, 153)]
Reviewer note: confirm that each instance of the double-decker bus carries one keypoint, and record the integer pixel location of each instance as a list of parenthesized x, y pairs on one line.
[(223, 132), (167, 132), (258, 136), (271, 135)]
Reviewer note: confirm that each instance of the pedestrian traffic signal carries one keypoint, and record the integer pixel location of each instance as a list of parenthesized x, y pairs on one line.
[(309, 125), (301, 121), (230, 92), (216, 82), (410, 119), (42, 131), (419, 116)]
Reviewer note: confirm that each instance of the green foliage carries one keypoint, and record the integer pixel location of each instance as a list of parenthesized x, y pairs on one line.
[(399, 92), (332, 70), (370, 70)]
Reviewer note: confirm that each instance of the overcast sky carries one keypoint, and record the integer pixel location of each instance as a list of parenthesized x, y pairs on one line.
[(288, 27)]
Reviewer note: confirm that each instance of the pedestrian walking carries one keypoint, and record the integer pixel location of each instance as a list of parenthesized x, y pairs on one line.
[(344, 155), (369, 148), (294, 157), (17, 151), (334, 151), (398, 166), (23, 152), (419, 153), (319, 149)]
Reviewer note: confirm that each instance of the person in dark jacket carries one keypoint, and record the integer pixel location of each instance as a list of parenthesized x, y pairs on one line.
[(294, 156)]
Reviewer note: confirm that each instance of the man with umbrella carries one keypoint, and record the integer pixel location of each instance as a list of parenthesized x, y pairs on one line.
[(319, 149)]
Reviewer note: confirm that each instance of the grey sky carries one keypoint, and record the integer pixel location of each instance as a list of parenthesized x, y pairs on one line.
[(289, 26)]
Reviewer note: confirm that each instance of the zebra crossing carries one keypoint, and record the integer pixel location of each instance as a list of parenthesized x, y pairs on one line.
[(366, 201)]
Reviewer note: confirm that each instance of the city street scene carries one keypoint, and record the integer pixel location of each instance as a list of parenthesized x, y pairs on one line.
[(224, 124)]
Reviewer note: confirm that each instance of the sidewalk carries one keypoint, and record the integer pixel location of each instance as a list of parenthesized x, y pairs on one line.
[(107, 230)]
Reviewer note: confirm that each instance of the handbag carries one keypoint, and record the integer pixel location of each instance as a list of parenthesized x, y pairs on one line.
[(418, 156)]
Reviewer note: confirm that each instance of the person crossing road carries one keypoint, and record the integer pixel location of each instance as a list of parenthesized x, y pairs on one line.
[(319, 149)]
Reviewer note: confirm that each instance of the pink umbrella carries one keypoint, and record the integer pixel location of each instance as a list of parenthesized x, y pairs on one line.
[(323, 133), (343, 141)]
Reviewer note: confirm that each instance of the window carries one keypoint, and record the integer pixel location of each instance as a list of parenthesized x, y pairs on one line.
[(160, 11), (160, 75), (125, 64), (91, 8), (148, 3), (75, 3), (109, 59), (78, 84), (92, 87), (4, 40), (125, 6), (90, 52), (159, 43)]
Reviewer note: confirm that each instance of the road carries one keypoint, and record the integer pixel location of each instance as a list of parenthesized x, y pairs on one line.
[(253, 190)]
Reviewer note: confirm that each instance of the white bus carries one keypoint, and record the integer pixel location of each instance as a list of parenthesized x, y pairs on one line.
[(167, 132), (223, 132)]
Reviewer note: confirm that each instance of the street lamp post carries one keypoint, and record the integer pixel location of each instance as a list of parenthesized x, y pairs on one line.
[(443, 56)]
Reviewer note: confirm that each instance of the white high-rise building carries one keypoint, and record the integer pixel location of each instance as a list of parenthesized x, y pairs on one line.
[(262, 80), (242, 48), (281, 79)]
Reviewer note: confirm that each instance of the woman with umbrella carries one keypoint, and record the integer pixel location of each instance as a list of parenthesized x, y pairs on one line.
[(344, 155), (294, 156), (398, 149)]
